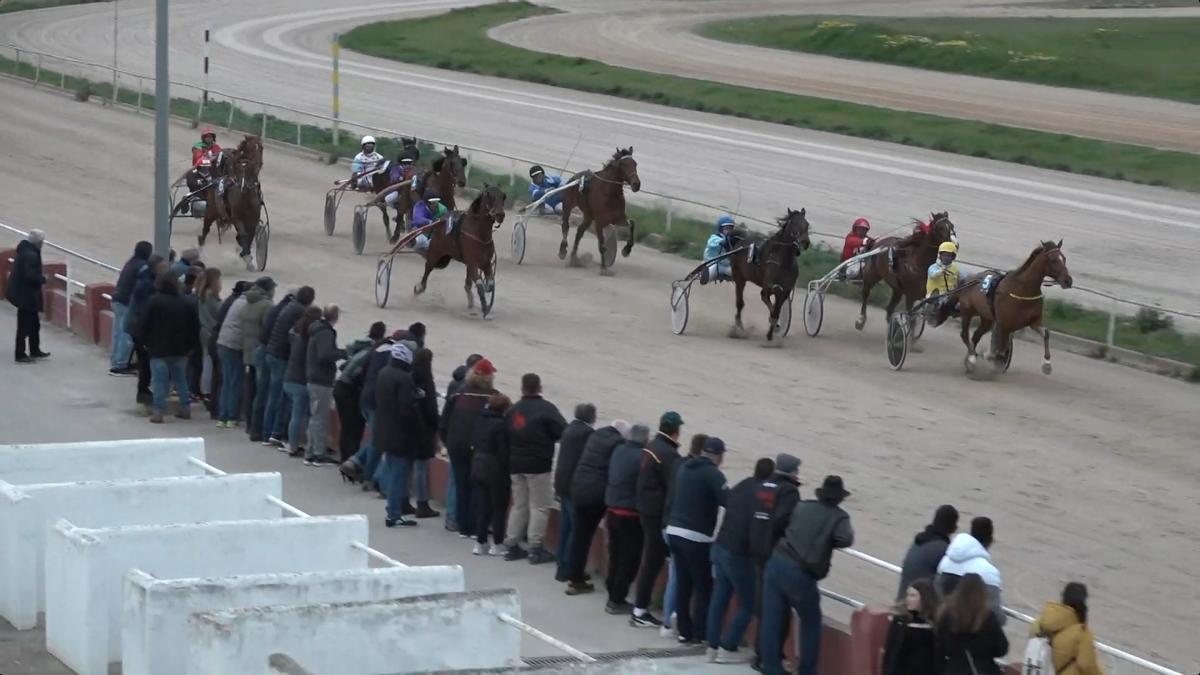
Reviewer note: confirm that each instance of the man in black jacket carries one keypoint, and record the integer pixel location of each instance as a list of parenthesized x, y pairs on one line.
[(622, 523), (280, 319), (320, 371), (570, 449), (696, 496), (457, 429), (654, 479), (534, 425), (457, 378), (777, 497), (928, 548), (399, 427), (24, 291), (170, 330), (122, 345), (587, 500)]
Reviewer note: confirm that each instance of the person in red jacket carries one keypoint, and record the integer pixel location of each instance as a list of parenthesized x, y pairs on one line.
[(857, 241), (204, 153)]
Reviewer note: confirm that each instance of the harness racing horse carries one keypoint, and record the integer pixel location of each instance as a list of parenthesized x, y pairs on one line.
[(241, 207), (600, 195), (1013, 301), (905, 268), (774, 268), (449, 171), (469, 241)]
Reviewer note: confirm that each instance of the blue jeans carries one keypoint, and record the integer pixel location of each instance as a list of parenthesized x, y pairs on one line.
[(262, 385), (401, 467), (693, 566), (383, 476), (367, 457), (163, 373), (786, 586), (420, 480), (672, 590), (452, 500), (122, 343), (565, 526), (298, 394), (231, 383), (731, 574), (272, 418)]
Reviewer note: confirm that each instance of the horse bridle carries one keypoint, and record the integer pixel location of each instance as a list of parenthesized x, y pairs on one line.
[(617, 163)]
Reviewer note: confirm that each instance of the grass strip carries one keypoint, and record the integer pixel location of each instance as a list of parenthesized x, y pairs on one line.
[(1135, 56), (1149, 332), (423, 41), (22, 5)]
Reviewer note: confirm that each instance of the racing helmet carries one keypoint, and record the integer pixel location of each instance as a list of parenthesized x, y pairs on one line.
[(535, 171), (207, 131), (431, 195), (863, 223), (948, 247), (723, 221), (367, 139)]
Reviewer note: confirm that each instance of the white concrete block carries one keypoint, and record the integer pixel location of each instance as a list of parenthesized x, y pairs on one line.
[(100, 460), (28, 511), (86, 569), (155, 626), (427, 633)]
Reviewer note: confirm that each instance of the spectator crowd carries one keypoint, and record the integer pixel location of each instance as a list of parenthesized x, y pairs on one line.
[(751, 552)]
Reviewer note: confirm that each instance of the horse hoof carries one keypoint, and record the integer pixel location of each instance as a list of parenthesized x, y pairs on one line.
[(737, 332), (417, 290), (1046, 368), (575, 261), (562, 251), (860, 322), (249, 263), (607, 272), (626, 251)]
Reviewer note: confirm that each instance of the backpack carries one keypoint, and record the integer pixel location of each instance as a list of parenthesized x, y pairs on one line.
[(1039, 656)]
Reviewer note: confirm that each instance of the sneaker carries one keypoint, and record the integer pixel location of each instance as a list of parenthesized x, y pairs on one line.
[(497, 549), (406, 509), (667, 633), (324, 460), (184, 413), (156, 418), (724, 656), (298, 452), (267, 443), (618, 608), (480, 549), (451, 526), (401, 522), (40, 355), (425, 511), (561, 576), (515, 552), (579, 588), (120, 372), (463, 535), (646, 620), (222, 424), (23, 359), (710, 654), (539, 555)]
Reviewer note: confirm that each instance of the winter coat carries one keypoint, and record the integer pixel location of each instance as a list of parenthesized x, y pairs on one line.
[(814, 530), (911, 647), (278, 345), (570, 449), (696, 496), (534, 426), (621, 493), (296, 371), (358, 354), (322, 354), (379, 360), (230, 333), (921, 561), (222, 314), (966, 555), (170, 326), (272, 318), (208, 309), (654, 477), (26, 280), (972, 653), (1072, 642), (123, 293), (489, 464), (742, 506), (252, 317), (462, 412), (457, 380), (591, 474), (427, 407), (143, 288), (398, 422), (776, 498)]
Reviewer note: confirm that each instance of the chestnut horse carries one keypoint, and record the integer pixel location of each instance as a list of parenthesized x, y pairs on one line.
[(774, 268), (600, 195), (470, 242), (241, 206), (1016, 302), (905, 268)]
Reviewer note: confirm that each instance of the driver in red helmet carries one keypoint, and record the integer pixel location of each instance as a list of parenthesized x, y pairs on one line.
[(857, 241), (204, 154)]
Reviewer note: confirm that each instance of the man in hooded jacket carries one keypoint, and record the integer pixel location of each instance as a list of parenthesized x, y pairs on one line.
[(654, 479), (969, 554), (24, 291), (928, 548), (399, 426), (587, 499), (570, 449), (122, 295), (459, 419), (534, 427)]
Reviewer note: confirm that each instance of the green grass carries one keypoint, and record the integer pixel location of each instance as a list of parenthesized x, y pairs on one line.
[(22, 5), (1141, 57), (422, 41), (685, 237)]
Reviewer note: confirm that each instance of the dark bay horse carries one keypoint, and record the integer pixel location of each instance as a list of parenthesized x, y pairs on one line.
[(601, 197), (905, 268), (449, 172), (470, 243), (1016, 302), (773, 268), (241, 206)]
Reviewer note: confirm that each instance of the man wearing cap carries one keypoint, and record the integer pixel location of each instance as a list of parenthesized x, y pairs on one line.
[(457, 429), (801, 559), (570, 450), (654, 478), (534, 426), (398, 427), (696, 497), (539, 185)]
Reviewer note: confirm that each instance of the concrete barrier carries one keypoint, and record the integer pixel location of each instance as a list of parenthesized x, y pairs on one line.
[(86, 569), (155, 625), (27, 512), (26, 464), (427, 633)]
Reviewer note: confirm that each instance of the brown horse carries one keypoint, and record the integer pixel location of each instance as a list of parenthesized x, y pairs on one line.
[(1014, 301), (600, 195), (449, 171), (469, 242), (237, 195), (773, 267), (904, 268)]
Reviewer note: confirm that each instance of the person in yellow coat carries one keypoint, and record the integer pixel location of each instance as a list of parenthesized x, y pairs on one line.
[(1073, 643), (941, 280)]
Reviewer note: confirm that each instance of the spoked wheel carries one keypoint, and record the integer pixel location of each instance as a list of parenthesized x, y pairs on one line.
[(897, 341), (610, 245), (359, 233), (383, 280), (262, 240), (680, 291), (518, 242), (785, 316), (487, 289), (331, 206), (814, 311), (1008, 355)]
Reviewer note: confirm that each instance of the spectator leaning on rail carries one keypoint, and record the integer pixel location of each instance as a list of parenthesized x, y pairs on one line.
[(534, 426), (969, 634), (320, 371), (143, 288), (654, 477), (456, 381), (695, 447), (277, 351), (570, 449), (587, 500), (347, 390), (912, 646), (969, 554), (24, 291), (430, 443), (801, 559), (365, 463), (489, 476), (621, 520), (252, 317), (170, 329), (777, 498), (208, 305), (399, 425), (295, 381), (1071, 641), (928, 548), (122, 344), (460, 416)]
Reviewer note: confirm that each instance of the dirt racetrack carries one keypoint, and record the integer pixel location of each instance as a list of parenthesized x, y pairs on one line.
[(1090, 474)]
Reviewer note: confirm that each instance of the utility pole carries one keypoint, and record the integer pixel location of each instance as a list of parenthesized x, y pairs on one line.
[(335, 48), (162, 113)]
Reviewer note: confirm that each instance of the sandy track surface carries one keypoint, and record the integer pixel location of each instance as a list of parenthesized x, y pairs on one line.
[(661, 37), (1090, 474)]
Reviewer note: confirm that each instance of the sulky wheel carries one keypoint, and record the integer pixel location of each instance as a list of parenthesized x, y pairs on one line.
[(359, 230), (896, 342), (262, 241), (383, 280), (610, 245), (518, 242), (785, 316), (679, 306), (814, 311), (331, 206)]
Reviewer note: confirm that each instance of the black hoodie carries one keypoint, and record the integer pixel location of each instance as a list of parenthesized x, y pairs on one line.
[(123, 293), (921, 561)]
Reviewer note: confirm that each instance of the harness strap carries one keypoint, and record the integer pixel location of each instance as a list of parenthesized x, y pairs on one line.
[(1014, 296)]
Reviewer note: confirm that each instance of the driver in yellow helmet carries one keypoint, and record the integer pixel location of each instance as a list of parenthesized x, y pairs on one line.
[(942, 280)]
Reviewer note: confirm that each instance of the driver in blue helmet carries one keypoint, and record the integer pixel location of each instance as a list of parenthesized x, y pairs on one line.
[(718, 244)]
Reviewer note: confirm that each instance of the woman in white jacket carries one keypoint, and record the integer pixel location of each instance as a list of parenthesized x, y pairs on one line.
[(968, 554)]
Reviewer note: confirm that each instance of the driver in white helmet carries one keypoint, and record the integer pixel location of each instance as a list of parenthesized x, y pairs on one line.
[(365, 163)]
